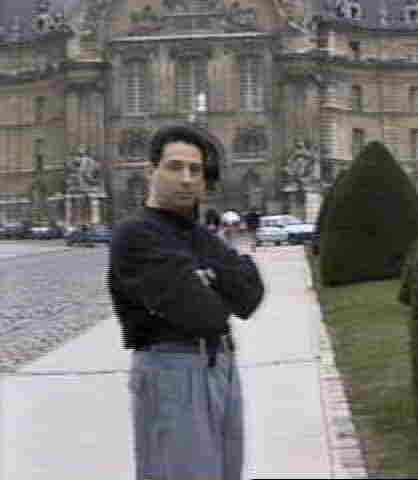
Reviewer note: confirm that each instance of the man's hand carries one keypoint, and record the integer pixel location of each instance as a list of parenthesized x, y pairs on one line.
[(207, 276)]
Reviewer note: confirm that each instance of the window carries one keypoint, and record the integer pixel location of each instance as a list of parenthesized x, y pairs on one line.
[(191, 80), (413, 99), (139, 88), (251, 83), (358, 141), (356, 98), (40, 109)]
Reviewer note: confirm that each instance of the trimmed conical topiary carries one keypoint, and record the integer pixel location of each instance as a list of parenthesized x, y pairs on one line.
[(371, 220), (327, 201)]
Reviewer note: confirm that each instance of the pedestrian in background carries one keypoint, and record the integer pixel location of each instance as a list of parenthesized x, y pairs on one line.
[(252, 219), (174, 284)]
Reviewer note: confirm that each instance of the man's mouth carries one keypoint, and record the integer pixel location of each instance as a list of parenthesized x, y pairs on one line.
[(184, 194)]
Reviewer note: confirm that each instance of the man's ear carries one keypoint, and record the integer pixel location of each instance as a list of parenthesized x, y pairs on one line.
[(149, 169)]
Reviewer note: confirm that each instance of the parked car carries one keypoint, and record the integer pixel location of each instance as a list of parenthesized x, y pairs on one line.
[(3, 232), (15, 230), (273, 234), (45, 233), (101, 233), (296, 230), (300, 234), (79, 236), (89, 235)]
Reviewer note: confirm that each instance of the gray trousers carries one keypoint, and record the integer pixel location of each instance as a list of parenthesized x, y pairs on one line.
[(188, 422)]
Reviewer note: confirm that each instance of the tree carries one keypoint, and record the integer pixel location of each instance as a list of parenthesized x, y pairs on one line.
[(371, 220)]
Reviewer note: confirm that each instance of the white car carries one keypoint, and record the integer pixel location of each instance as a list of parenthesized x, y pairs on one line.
[(274, 234), (300, 233), (287, 229)]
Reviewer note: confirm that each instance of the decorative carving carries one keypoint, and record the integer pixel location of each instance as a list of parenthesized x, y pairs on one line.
[(142, 52), (176, 5), (247, 47), (96, 12), (253, 190), (238, 18), (134, 142), (83, 173), (250, 140), (145, 21), (44, 22), (303, 167), (189, 49), (135, 191)]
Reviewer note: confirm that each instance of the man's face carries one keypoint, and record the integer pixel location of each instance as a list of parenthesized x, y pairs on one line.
[(178, 180)]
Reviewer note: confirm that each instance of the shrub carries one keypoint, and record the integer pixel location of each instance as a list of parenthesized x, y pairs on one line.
[(408, 274), (326, 202), (372, 219)]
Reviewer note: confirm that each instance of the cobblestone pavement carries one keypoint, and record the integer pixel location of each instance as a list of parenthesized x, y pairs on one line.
[(48, 299)]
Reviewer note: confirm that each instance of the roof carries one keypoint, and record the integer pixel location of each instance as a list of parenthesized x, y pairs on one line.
[(371, 13)]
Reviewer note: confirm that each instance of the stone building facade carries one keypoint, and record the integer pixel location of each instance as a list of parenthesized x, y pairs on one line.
[(289, 91)]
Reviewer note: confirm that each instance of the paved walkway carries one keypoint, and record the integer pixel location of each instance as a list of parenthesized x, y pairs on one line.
[(67, 415), (19, 248)]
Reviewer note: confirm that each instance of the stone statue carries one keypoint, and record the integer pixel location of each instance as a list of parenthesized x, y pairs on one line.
[(83, 172), (241, 18), (176, 5), (303, 167)]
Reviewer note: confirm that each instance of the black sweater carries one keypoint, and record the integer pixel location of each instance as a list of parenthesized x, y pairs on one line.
[(156, 291)]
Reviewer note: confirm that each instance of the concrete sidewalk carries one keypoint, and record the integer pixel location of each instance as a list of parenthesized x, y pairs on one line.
[(67, 415)]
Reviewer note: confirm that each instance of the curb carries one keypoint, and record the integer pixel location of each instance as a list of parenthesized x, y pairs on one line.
[(346, 456)]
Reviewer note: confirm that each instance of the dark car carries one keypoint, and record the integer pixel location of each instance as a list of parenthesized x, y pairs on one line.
[(14, 231), (100, 233), (89, 235), (45, 233)]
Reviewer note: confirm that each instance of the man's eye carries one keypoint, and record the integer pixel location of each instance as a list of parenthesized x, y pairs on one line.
[(175, 165), (196, 169)]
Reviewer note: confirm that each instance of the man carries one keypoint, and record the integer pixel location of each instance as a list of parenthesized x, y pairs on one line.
[(174, 284)]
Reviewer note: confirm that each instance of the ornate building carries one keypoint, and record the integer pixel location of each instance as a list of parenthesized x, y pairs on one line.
[(289, 91)]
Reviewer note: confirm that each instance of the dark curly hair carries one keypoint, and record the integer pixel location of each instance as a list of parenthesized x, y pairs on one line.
[(191, 135)]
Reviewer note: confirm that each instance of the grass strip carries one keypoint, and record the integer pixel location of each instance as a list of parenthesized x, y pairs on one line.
[(370, 338)]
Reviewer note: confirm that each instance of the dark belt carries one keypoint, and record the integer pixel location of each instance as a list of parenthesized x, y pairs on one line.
[(197, 345)]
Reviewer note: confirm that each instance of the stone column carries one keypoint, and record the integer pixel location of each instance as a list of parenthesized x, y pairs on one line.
[(313, 204), (328, 124), (332, 42), (68, 210), (94, 210), (83, 118), (72, 119)]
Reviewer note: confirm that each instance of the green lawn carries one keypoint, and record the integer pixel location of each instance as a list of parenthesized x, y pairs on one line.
[(369, 332)]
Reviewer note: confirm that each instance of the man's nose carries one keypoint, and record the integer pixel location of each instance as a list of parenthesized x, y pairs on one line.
[(186, 177)]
